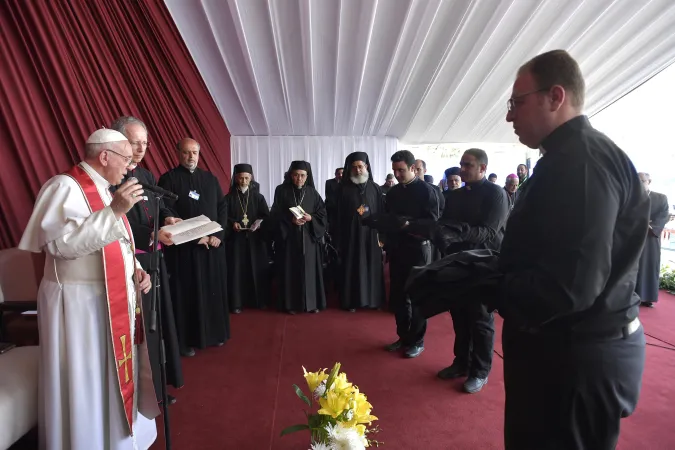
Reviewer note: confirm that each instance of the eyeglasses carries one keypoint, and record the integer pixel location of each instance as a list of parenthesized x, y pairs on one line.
[(511, 103), (127, 159), (145, 144)]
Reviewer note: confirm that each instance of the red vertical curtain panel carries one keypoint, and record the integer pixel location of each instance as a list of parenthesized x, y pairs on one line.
[(68, 67)]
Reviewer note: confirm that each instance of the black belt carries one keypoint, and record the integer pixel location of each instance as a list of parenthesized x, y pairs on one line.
[(610, 334)]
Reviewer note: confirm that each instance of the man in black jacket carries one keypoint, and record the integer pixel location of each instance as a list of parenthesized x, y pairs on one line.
[(479, 211), (574, 349)]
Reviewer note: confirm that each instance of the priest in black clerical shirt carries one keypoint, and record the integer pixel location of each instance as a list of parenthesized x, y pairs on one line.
[(297, 240), (248, 260), (198, 270), (141, 220), (362, 272), (411, 198), (479, 210), (574, 349), (647, 286), (332, 188)]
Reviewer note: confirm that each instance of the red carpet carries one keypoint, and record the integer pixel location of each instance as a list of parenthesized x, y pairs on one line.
[(239, 396)]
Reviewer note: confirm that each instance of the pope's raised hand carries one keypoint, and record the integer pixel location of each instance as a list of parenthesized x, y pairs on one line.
[(126, 197)]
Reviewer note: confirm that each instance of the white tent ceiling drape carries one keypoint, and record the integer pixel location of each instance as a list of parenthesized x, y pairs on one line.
[(419, 70), (272, 155)]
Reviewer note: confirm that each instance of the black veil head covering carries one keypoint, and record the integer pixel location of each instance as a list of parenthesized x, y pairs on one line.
[(241, 168), (356, 156), (300, 165)]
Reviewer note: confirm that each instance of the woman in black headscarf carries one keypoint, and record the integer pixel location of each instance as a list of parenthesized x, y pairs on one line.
[(362, 271), (298, 251), (248, 261)]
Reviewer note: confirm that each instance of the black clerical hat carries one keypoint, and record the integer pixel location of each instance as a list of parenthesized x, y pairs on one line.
[(242, 168), (451, 171), (300, 165)]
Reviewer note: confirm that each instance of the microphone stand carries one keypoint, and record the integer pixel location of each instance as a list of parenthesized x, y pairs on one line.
[(156, 319)]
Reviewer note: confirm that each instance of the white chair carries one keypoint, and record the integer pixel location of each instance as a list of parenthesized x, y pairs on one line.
[(19, 366), (18, 393)]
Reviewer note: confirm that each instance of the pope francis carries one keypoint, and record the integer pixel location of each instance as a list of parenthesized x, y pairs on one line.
[(96, 388)]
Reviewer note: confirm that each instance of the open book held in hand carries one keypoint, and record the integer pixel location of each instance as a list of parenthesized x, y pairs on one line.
[(191, 229), (298, 212)]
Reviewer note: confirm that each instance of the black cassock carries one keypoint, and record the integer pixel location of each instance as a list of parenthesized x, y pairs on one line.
[(298, 257), (647, 286), (362, 271), (198, 274), (141, 219), (248, 268)]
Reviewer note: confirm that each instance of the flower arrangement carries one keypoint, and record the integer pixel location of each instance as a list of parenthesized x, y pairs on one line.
[(340, 422)]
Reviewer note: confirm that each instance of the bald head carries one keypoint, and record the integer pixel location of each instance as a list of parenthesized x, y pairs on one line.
[(188, 153)]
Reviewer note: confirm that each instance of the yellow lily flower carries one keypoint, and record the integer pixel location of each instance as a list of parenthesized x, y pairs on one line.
[(314, 379), (362, 409), (334, 403), (341, 383)]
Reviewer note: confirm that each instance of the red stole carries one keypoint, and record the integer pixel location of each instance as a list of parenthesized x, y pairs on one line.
[(116, 290)]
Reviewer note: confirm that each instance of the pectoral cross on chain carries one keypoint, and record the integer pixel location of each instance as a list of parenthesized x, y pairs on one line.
[(245, 220), (125, 360)]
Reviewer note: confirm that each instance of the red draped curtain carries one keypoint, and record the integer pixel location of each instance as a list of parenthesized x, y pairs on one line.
[(68, 67)]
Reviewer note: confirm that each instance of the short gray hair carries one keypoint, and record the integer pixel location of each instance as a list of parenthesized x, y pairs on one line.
[(93, 150), (121, 123)]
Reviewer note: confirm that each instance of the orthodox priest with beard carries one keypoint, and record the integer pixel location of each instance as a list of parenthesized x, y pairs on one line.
[(362, 271), (298, 241), (197, 268), (248, 270)]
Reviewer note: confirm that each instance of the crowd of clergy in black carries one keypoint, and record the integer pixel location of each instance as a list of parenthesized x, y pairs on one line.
[(290, 255)]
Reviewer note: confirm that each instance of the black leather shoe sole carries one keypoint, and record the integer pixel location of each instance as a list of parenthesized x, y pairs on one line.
[(450, 374)]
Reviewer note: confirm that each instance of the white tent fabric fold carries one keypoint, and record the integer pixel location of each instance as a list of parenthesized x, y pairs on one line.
[(423, 71), (272, 155)]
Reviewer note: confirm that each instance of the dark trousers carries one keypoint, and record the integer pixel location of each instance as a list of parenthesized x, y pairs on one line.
[(401, 262), (474, 338), (569, 393)]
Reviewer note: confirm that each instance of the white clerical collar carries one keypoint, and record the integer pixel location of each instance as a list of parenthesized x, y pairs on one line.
[(97, 177)]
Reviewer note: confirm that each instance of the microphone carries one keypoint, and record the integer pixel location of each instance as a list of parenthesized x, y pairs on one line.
[(159, 191)]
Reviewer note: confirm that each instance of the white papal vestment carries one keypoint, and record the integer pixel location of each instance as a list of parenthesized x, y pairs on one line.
[(80, 403)]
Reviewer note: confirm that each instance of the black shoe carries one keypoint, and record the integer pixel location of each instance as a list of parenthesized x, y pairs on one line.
[(188, 352), (647, 304), (396, 346), (237, 311), (172, 399), (414, 351), (352, 310), (292, 313), (220, 344), (315, 311), (452, 372)]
